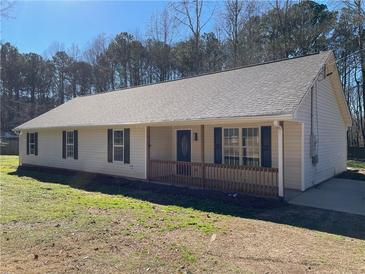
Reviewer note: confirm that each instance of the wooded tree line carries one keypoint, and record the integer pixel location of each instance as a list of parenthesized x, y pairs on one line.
[(246, 32)]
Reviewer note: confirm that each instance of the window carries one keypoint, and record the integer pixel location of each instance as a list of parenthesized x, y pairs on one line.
[(231, 146), (241, 146), (118, 145), (69, 144), (32, 143), (250, 147)]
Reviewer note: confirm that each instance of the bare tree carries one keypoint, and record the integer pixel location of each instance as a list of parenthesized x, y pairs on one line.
[(95, 48), (5, 8), (358, 7), (74, 52), (232, 22), (161, 32), (52, 49), (162, 27), (190, 14)]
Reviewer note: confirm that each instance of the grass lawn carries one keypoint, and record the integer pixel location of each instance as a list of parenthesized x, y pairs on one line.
[(356, 164), (53, 222)]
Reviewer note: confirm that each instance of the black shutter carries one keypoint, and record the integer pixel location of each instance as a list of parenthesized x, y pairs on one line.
[(266, 146), (217, 145), (36, 143), (127, 145), (76, 145), (64, 144), (110, 145), (27, 143)]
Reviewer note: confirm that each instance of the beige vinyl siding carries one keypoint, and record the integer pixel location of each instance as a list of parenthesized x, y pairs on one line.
[(332, 151), (161, 143), (292, 155), (92, 150)]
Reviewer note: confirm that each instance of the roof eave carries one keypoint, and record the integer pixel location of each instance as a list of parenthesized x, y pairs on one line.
[(205, 121)]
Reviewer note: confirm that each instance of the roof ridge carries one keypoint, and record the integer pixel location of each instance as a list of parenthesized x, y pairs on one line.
[(203, 74)]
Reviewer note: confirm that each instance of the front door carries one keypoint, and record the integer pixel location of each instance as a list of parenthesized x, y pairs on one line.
[(183, 151)]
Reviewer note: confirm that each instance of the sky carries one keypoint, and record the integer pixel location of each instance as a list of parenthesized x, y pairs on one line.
[(35, 25)]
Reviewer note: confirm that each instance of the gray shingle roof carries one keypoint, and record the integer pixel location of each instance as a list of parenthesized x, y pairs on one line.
[(263, 90)]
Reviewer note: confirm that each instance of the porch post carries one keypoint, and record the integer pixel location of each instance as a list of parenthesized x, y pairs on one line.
[(148, 152), (279, 126), (202, 144)]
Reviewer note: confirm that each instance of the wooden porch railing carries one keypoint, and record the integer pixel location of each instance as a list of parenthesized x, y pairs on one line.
[(254, 180)]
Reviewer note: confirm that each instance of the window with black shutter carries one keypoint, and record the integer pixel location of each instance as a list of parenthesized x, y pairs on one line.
[(76, 145), (242, 146), (27, 143), (119, 145), (64, 144), (217, 145), (70, 144), (110, 145), (32, 143), (36, 143), (126, 145), (266, 146)]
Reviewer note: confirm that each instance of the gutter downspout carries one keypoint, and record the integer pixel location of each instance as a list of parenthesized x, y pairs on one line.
[(279, 126)]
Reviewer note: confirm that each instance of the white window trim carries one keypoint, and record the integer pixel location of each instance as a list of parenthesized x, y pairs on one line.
[(259, 136), (240, 129), (231, 146), (70, 144), (114, 145), (30, 143)]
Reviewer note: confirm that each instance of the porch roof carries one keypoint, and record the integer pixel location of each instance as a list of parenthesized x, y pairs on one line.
[(270, 89)]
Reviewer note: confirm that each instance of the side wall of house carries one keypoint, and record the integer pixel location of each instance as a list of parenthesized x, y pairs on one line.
[(331, 134), (292, 155), (92, 152)]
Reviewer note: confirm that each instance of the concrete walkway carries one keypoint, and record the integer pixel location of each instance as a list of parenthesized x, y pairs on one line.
[(337, 194)]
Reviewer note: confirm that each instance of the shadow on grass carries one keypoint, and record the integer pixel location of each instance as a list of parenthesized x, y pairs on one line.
[(353, 174), (272, 210)]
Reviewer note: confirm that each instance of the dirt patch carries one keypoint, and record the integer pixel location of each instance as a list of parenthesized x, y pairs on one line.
[(242, 246), (97, 211)]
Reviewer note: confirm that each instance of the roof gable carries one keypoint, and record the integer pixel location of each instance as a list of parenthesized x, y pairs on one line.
[(332, 70)]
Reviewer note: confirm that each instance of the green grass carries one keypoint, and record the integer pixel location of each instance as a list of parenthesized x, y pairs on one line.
[(58, 205), (58, 222), (356, 164), (57, 202)]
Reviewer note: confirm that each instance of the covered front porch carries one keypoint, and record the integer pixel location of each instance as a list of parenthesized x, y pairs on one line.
[(236, 157)]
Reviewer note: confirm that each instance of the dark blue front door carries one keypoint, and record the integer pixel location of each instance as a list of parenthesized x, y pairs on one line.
[(183, 145)]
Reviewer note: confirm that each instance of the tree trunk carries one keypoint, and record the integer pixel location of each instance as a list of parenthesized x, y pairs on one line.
[(361, 38), (32, 102)]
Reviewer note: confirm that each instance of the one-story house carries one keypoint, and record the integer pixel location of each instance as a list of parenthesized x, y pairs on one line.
[(258, 129)]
